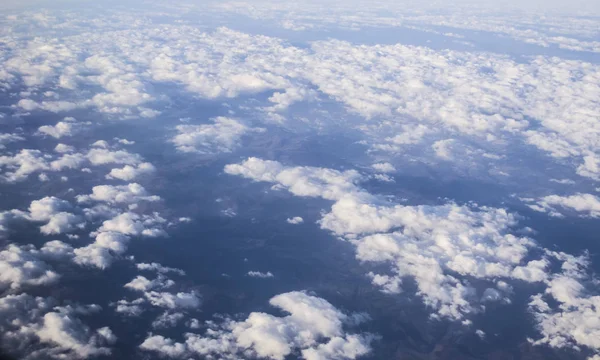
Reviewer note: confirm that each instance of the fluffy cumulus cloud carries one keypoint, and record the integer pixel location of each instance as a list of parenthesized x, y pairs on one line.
[(159, 292), (438, 246), (36, 324), (52, 210), (129, 172), (313, 329), (222, 135), (100, 156), (119, 194), (112, 237), (384, 167), (61, 129), (25, 266), (443, 246), (567, 313), (19, 166), (295, 220), (419, 94), (555, 205)]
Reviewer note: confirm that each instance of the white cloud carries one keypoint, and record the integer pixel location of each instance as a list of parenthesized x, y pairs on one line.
[(112, 237), (24, 266), (313, 327), (29, 321), (23, 164), (141, 283), (61, 129), (295, 220), (120, 194), (63, 148), (180, 300), (130, 223), (262, 275), (69, 161), (103, 156), (584, 204), (129, 172), (129, 308), (102, 251), (52, 210), (563, 181), (167, 319), (443, 149), (428, 243), (159, 268), (384, 167), (9, 138), (571, 319), (221, 136)]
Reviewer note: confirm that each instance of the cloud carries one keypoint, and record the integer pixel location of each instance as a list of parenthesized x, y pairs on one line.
[(221, 136), (103, 156), (295, 220), (167, 319), (129, 172), (431, 244), (102, 251), (129, 308), (141, 283), (570, 320), (61, 129), (443, 149), (262, 275), (112, 237), (120, 194), (313, 327), (154, 292), (23, 164), (52, 210), (130, 223), (384, 167), (35, 323), (9, 138), (583, 204), (159, 268), (24, 266), (63, 148)]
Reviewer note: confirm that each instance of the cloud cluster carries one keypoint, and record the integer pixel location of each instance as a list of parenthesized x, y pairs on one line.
[(313, 329), (52, 210), (25, 266), (441, 247), (36, 324), (118, 194), (583, 204), (221, 136), (19, 166), (419, 95), (62, 128), (156, 293)]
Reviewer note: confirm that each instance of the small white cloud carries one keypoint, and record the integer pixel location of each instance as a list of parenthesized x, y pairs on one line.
[(295, 220), (61, 129), (262, 275), (384, 167), (129, 172)]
